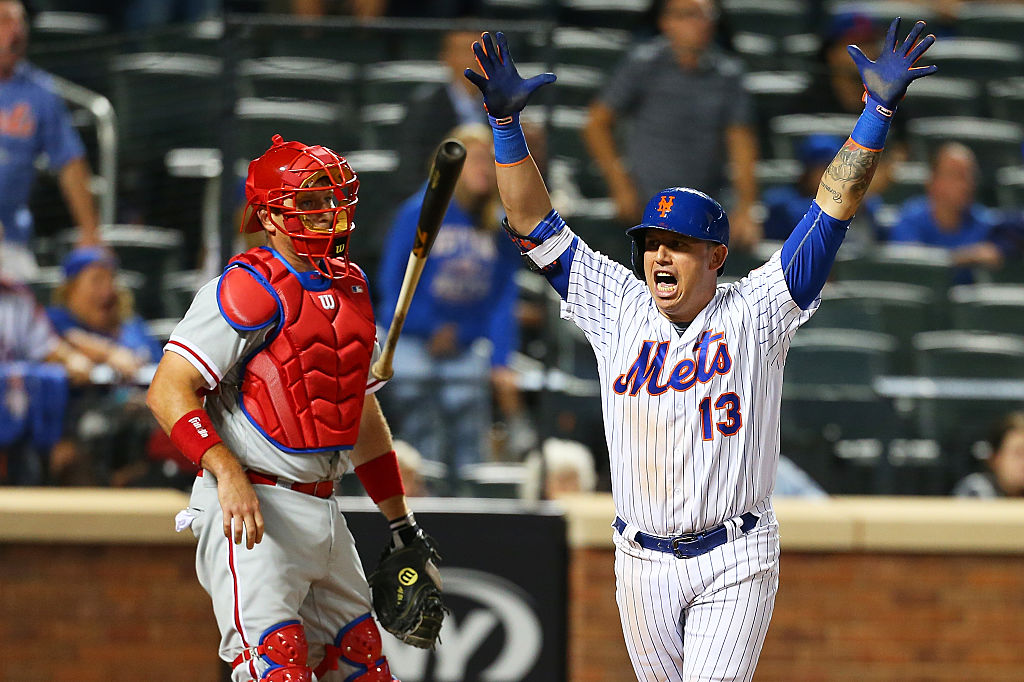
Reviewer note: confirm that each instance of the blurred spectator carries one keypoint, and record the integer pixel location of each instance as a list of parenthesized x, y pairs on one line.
[(96, 317), (785, 206), (1005, 474), (688, 117), (410, 464), (33, 394), (461, 330), (33, 122), (564, 466), (108, 427), (434, 109), (371, 9), (948, 216)]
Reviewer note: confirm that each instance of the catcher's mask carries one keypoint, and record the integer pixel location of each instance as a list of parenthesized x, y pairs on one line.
[(310, 193), (682, 210)]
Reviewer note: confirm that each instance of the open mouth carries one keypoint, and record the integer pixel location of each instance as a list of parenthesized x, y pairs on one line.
[(664, 283)]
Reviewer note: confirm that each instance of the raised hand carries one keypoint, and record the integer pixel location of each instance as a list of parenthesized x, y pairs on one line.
[(886, 79), (505, 91)]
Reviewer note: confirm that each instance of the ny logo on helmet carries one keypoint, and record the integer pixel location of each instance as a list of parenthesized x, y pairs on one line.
[(665, 205)]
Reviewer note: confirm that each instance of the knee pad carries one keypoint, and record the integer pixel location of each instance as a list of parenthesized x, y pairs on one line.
[(359, 645), (284, 649)]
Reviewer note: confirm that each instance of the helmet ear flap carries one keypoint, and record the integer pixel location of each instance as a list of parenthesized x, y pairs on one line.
[(636, 257)]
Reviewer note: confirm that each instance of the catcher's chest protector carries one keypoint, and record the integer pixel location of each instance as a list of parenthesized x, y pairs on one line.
[(304, 387)]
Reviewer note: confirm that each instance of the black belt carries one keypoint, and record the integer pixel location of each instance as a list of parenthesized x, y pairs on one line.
[(689, 545)]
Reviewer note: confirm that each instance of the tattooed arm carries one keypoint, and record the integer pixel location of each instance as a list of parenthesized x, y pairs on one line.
[(846, 179)]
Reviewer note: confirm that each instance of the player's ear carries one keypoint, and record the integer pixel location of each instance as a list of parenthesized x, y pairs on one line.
[(719, 252), (264, 216)]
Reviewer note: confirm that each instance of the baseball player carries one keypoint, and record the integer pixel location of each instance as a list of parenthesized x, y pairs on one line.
[(691, 373), (281, 346)]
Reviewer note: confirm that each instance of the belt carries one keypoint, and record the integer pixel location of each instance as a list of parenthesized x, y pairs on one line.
[(688, 545), (321, 489)]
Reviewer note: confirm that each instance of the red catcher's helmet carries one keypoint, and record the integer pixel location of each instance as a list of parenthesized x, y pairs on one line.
[(310, 193)]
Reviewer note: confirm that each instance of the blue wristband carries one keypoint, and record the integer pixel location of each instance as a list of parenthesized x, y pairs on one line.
[(509, 141), (873, 125)]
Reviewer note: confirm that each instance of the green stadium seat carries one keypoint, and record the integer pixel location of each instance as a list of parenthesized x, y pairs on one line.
[(621, 14), (577, 86), (881, 12), (927, 266), (908, 180), (1006, 99), (997, 144), (75, 45), (565, 138), (789, 129), (179, 288), (598, 48), (301, 78), (393, 81), (943, 96), (1010, 187), (758, 51), (992, 20), (380, 124), (772, 173), (259, 119), (838, 362), (204, 37), (997, 308), (775, 93), (970, 354), (977, 59), (595, 222), (495, 479), (374, 214), (779, 18), (513, 9)]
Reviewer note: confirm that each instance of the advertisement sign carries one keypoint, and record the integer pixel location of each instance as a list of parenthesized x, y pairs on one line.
[(504, 570)]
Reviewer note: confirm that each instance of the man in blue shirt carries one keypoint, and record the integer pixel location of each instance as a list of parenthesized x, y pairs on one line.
[(461, 328), (33, 122), (947, 215)]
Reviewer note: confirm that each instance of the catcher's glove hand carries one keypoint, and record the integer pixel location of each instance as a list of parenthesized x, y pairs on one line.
[(406, 591)]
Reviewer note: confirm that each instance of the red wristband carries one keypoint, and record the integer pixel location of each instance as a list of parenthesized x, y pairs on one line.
[(381, 477), (193, 435)]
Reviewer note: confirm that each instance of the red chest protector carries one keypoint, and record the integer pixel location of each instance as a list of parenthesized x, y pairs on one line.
[(304, 387)]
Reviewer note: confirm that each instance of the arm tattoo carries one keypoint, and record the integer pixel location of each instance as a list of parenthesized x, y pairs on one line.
[(851, 171)]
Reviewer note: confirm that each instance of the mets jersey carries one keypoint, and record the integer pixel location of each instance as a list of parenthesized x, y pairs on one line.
[(691, 418)]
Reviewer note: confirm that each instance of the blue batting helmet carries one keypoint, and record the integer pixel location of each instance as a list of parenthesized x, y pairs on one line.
[(682, 210)]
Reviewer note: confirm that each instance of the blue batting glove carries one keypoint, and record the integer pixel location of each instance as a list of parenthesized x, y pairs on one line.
[(886, 80), (505, 91)]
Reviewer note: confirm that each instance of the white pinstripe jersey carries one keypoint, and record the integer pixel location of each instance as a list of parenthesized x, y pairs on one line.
[(691, 421)]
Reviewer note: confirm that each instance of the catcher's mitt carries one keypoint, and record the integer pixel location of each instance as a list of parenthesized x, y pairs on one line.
[(406, 590)]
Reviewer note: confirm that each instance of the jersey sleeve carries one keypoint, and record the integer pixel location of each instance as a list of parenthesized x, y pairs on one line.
[(776, 315), (207, 341)]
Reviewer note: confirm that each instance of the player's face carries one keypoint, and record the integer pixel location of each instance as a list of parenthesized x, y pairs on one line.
[(681, 272)]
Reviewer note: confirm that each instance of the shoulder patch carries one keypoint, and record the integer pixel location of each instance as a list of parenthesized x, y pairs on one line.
[(246, 300)]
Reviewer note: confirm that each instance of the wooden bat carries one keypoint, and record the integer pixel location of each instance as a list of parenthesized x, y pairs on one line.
[(444, 172)]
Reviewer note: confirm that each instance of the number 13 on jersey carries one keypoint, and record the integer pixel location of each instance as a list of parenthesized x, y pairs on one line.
[(727, 409)]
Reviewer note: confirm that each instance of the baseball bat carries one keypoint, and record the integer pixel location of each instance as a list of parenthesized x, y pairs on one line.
[(444, 172)]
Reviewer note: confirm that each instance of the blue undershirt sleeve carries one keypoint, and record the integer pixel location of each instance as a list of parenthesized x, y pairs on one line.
[(808, 254)]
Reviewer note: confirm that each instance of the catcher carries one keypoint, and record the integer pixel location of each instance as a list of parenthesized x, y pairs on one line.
[(280, 345)]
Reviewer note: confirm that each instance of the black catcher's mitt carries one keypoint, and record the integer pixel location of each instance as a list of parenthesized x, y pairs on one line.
[(406, 591)]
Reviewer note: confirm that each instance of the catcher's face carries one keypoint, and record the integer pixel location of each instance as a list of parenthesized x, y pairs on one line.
[(681, 272)]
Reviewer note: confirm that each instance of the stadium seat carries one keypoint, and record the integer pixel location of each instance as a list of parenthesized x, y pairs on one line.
[(577, 86), (621, 14), (779, 18), (75, 45), (907, 180), (789, 129), (380, 123), (566, 134), (595, 222), (393, 81), (881, 12), (204, 37), (927, 266), (179, 288), (599, 48), (495, 479), (775, 93), (941, 96), (971, 354), (997, 308), (758, 51), (374, 167), (513, 9), (164, 101), (1006, 99), (772, 173), (977, 59), (300, 78), (1010, 187), (839, 362), (259, 119), (993, 20)]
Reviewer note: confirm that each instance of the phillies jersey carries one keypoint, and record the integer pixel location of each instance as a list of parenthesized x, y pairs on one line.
[(217, 351), (691, 417)]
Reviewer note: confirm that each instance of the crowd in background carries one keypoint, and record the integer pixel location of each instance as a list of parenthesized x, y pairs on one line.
[(674, 110)]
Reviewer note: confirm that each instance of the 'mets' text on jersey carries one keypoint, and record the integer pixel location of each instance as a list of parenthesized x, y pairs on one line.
[(692, 418)]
